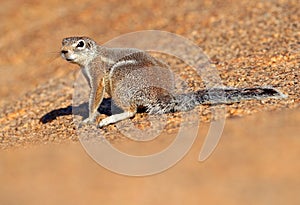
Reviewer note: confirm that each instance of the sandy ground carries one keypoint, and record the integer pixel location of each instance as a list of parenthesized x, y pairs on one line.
[(251, 44)]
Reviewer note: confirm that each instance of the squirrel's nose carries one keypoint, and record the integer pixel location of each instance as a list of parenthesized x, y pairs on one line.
[(64, 51)]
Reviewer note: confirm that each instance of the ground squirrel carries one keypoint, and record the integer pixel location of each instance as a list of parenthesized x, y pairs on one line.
[(134, 79)]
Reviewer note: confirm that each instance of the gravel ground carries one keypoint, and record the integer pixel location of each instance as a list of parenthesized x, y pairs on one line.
[(251, 44)]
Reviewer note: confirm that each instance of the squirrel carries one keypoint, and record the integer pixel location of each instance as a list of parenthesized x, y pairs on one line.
[(134, 79)]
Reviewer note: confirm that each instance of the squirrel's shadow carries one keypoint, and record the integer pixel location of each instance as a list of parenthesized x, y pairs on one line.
[(81, 110), (106, 107)]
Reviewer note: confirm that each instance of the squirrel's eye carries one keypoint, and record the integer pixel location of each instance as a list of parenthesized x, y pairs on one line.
[(80, 44)]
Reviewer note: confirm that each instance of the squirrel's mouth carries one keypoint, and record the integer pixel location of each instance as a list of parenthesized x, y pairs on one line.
[(68, 58)]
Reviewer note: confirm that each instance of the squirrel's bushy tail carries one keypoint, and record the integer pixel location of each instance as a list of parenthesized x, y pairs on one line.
[(187, 101)]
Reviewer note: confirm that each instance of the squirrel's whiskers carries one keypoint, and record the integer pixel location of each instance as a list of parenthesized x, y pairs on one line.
[(53, 56)]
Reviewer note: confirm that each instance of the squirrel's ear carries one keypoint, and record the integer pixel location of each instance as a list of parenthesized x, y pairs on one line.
[(90, 44)]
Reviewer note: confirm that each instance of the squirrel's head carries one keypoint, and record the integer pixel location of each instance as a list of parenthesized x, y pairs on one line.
[(79, 50)]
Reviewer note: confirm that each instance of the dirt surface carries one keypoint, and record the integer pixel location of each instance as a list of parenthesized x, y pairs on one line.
[(251, 44)]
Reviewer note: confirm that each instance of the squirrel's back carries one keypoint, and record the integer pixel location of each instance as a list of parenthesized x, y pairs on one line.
[(140, 80)]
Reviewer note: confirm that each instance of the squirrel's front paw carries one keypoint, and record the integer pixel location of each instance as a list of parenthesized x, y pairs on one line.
[(90, 120), (87, 121)]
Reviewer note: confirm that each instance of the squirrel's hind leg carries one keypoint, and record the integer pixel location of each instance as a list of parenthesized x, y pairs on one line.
[(116, 118)]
